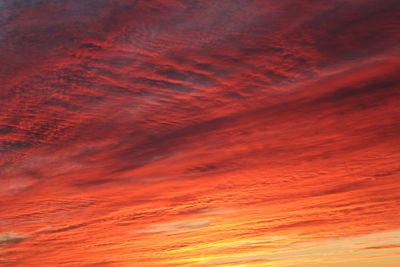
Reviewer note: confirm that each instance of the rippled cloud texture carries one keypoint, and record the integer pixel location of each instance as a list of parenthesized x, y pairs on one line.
[(200, 133)]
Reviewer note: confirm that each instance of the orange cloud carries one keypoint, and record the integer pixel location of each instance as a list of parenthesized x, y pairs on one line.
[(199, 133)]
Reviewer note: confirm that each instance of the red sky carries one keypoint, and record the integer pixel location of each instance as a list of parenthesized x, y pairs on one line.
[(230, 133)]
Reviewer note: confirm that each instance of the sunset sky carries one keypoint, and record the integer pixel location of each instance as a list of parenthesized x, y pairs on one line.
[(197, 133)]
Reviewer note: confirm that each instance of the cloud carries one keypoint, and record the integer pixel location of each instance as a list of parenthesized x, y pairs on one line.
[(176, 132), (390, 246), (176, 227), (11, 238)]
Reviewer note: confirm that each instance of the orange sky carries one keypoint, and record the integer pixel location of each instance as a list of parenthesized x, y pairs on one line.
[(200, 133)]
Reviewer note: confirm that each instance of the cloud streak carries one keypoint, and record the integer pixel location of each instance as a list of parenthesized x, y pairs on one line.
[(10, 238), (199, 133)]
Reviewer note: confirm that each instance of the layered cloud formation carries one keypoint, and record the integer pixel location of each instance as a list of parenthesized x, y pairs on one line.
[(199, 133)]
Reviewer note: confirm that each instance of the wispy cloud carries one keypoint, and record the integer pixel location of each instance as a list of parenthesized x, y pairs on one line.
[(199, 133), (11, 237)]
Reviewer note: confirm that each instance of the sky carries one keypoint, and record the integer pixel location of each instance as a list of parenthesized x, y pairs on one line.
[(229, 133)]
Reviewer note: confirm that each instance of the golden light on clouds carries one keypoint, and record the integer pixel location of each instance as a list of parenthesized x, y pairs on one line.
[(199, 133)]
